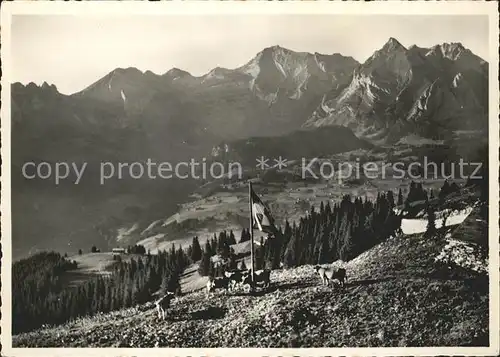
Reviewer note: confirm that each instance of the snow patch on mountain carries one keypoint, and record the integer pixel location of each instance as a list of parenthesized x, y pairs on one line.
[(421, 105), (319, 63), (213, 74), (110, 80), (363, 84), (124, 232), (124, 97), (253, 69), (302, 80), (270, 98), (325, 107), (419, 225), (457, 79), (279, 66)]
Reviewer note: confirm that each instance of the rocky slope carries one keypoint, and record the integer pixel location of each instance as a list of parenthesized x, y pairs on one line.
[(397, 91), (397, 295), (271, 94)]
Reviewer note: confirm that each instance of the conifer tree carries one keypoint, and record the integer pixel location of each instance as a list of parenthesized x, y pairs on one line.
[(204, 267), (400, 197), (291, 251), (196, 250), (390, 199), (445, 190), (431, 222), (232, 238)]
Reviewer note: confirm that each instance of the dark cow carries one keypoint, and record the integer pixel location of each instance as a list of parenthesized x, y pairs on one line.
[(261, 276), (236, 277), (163, 304), (217, 283), (329, 274)]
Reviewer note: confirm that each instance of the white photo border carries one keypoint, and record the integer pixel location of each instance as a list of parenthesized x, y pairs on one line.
[(97, 8)]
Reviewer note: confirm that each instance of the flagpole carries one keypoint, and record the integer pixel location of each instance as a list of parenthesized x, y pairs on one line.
[(251, 233)]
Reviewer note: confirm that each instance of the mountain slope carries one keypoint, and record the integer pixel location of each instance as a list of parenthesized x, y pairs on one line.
[(48, 126), (397, 295), (397, 91), (307, 144), (130, 116), (272, 93)]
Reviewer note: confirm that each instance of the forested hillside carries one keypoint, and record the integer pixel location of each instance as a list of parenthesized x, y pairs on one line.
[(38, 296), (340, 231)]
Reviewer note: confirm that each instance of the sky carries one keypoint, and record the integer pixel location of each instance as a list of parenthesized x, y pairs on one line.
[(72, 52)]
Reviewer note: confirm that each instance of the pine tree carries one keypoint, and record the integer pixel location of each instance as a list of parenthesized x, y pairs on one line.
[(413, 193), (454, 187), (291, 251), (431, 222), (245, 235), (208, 247), (212, 271), (445, 190), (204, 267), (196, 250), (400, 197), (232, 238), (390, 199), (232, 264), (165, 282)]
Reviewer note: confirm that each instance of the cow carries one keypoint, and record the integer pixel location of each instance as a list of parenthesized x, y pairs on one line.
[(217, 283), (236, 277), (163, 304), (330, 274), (261, 276)]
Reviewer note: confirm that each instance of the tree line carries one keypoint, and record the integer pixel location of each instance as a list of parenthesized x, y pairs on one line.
[(341, 230), (39, 296)]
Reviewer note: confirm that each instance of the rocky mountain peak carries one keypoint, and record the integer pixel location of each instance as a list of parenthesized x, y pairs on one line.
[(393, 45), (176, 73), (448, 50), (128, 70)]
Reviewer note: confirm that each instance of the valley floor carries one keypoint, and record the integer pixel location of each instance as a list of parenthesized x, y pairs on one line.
[(397, 295)]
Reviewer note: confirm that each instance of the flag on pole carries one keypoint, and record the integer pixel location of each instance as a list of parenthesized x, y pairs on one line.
[(262, 218)]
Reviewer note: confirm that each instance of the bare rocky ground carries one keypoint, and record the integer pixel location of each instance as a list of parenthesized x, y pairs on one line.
[(398, 294)]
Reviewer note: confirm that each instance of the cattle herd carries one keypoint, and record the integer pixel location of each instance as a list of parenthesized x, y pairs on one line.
[(242, 278), (232, 279)]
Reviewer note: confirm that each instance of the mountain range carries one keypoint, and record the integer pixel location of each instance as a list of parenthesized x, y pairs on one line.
[(130, 115)]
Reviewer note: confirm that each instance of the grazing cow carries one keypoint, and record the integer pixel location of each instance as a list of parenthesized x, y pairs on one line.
[(261, 276), (163, 304), (330, 274), (217, 283), (236, 277)]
